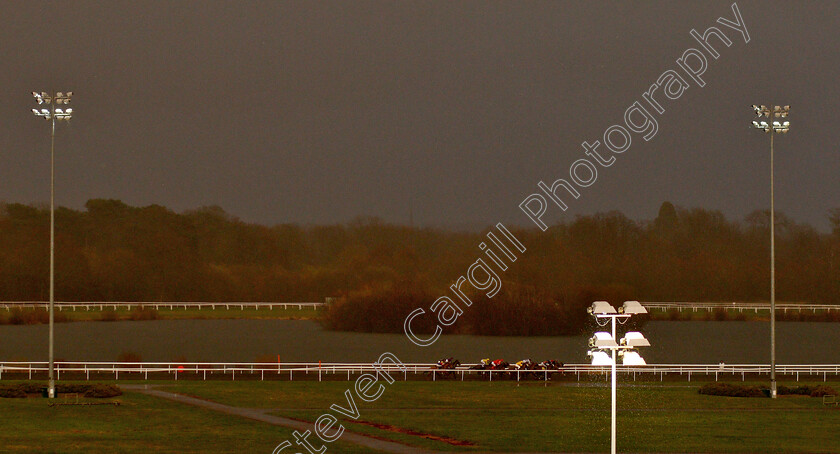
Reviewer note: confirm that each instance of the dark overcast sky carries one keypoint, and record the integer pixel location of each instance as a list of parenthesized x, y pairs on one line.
[(317, 112)]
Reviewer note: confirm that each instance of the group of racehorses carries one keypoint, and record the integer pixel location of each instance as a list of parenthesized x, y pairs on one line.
[(447, 367)]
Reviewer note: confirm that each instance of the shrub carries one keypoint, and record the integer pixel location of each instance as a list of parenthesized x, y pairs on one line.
[(813, 391), (725, 389), (783, 390), (11, 391), (143, 314), (101, 391), (36, 316), (65, 388), (822, 390), (720, 315), (380, 310), (20, 316), (31, 388), (95, 390), (109, 315)]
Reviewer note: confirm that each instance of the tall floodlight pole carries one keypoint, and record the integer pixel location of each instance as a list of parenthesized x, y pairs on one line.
[(52, 114), (772, 126), (604, 312)]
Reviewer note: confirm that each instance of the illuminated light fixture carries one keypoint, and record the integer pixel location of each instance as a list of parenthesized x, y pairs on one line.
[(603, 341), (42, 98), (631, 358), (53, 113), (634, 339), (600, 358), (632, 308), (63, 98), (762, 125), (601, 308)]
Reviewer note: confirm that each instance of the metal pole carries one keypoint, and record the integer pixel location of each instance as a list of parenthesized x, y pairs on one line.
[(612, 425), (52, 254), (772, 273)]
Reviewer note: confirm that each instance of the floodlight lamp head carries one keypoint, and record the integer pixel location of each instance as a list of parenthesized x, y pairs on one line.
[(42, 98), (600, 358), (63, 98), (632, 308), (758, 110), (63, 114), (763, 125), (601, 308), (781, 127), (631, 358), (634, 339), (602, 339)]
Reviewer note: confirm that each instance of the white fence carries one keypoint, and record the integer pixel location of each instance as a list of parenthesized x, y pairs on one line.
[(741, 306), (88, 305), (290, 371)]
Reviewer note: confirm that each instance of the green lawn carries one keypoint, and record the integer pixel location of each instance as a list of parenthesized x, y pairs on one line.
[(500, 417), (142, 424), (504, 417)]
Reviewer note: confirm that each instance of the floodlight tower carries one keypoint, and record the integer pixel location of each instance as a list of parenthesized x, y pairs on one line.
[(772, 126), (603, 310), (52, 114)]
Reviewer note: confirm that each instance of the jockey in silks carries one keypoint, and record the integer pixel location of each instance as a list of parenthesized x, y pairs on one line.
[(484, 364), (524, 364), (499, 364), (550, 364)]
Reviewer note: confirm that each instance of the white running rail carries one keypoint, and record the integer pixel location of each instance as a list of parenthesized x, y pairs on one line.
[(175, 370), (88, 305)]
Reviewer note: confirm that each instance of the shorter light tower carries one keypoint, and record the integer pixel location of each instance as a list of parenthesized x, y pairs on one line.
[(603, 341)]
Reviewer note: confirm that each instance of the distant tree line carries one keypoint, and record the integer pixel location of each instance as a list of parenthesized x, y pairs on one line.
[(379, 272)]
